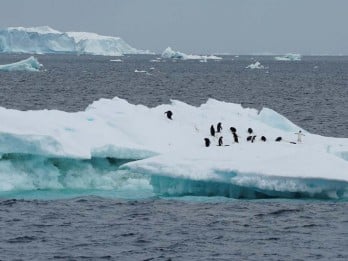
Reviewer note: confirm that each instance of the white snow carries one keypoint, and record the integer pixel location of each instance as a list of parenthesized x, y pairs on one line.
[(30, 64), (44, 39), (289, 57), (169, 53), (256, 65), (175, 148)]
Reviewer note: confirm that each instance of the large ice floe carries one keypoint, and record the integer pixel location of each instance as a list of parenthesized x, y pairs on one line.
[(42, 40), (114, 142), (169, 53), (30, 64), (289, 57)]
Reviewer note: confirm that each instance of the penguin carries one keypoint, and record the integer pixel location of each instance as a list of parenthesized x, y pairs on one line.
[(253, 139), (219, 127), (278, 139), (249, 138), (299, 136), (263, 138), (233, 129), (169, 114), (250, 131), (220, 142), (235, 137), (212, 130), (207, 142)]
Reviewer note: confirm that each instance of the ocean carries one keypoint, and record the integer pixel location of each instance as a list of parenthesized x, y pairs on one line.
[(131, 221)]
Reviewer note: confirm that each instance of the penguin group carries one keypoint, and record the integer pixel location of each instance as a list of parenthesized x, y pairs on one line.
[(216, 134), (250, 138)]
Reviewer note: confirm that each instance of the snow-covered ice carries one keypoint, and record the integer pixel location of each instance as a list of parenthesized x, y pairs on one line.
[(30, 64), (169, 53), (43, 39), (172, 152)]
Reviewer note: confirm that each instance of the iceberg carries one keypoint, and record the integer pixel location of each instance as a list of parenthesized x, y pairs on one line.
[(169, 53), (112, 143), (30, 64), (256, 65), (289, 57), (45, 40)]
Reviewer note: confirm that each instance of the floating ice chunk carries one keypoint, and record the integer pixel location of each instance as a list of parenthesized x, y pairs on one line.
[(256, 65), (289, 57), (169, 53), (30, 64), (171, 153)]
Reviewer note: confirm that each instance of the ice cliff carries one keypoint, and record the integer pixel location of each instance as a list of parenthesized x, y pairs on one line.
[(43, 40)]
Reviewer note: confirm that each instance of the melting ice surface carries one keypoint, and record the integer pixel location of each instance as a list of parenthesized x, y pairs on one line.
[(136, 151), (169, 53), (30, 64), (41, 40), (289, 57)]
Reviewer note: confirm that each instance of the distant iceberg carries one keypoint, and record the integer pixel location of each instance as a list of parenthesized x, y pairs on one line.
[(43, 40), (30, 64), (256, 65), (289, 57), (169, 53)]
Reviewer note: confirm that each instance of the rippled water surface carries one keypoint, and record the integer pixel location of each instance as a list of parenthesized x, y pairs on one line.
[(93, 228), (132, 223)]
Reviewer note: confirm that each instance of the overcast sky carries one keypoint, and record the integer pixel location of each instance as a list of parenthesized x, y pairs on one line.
[(196, 26)]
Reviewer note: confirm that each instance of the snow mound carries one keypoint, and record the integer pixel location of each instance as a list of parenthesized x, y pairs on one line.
[(256, 65), (169, 53), (289, 57), (43, 39), (30, 64), (113, 136)]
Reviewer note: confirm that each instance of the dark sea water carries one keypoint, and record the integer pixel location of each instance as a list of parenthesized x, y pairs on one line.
[(97, 225)]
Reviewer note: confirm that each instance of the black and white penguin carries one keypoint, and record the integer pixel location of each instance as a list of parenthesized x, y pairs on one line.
[(278, 139), (235, 137), (250, 131), (253, 139), (219, 127), (233, 129), (220, 142), (207, 142), (263, 138), (212, 130), (249, 138), (169, 114)]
